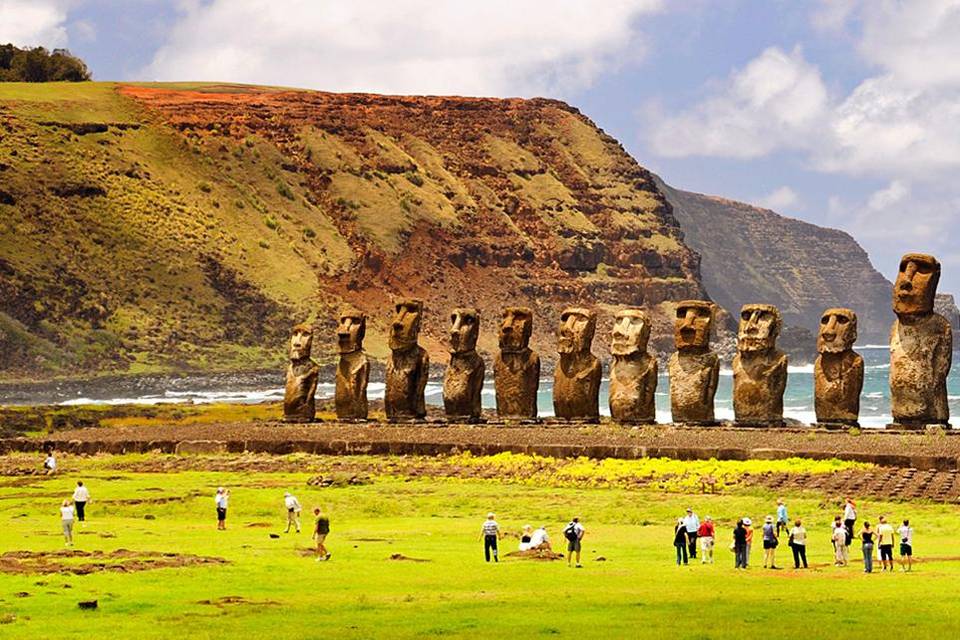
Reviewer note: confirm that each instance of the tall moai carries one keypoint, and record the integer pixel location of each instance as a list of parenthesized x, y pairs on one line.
[(299, 402), (759, 368), (633, 372), (576, 383), (408, 365), (516, 368), (838, 371), (463, 381), (694, 369), (353, 368)]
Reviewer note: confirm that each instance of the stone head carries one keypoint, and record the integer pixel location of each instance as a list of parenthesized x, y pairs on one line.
[(516, 327), (406, 324), (916, 285), (577, 326), (631, 332), (350, 331), (301, 342), (838, 331), (760, 325), (464, 330), (693, 325)]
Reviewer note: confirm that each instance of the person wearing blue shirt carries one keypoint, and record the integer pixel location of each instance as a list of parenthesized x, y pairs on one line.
[(692, 524), (783, 522)]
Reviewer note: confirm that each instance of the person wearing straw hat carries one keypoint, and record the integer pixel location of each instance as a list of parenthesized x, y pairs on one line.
[(293, 511), (748, 526), (770, 542)]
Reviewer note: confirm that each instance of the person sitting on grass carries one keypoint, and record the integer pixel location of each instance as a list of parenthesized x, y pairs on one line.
[(321, 529), (540, 541), (525, 537), (50, 463), (66, 520), (681, 540), (770, 543), (573, 532), (906, 546)]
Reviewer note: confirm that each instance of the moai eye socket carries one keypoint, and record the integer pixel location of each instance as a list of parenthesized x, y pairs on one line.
[(825, 320), (842, 319), (924, 267), (744, 315), (703, 313), (681, 313), (453, 318), (765, 315)]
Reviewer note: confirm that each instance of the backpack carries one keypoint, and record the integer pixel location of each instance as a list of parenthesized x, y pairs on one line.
[(570, 533)]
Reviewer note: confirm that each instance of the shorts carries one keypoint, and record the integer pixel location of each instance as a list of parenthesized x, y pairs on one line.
[(221, 514), (573, 545), (706, 543), (769, 544), (321, 538), (906, 549), (886, 552)]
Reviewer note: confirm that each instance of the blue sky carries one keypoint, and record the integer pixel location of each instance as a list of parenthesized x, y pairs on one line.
[(844, 113)]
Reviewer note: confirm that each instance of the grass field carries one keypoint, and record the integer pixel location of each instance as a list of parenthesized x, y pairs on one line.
[(273, 588)]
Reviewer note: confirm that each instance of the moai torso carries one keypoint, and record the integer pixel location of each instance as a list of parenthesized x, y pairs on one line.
[(838, 371), (633, 372), (516, 369), (299, 404), (353, 369), (576, 385), (408, 365), (759, 369), (921, 346), (694, 370), (463, 381)]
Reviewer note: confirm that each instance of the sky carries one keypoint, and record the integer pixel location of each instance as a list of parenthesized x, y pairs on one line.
[(844, 113)]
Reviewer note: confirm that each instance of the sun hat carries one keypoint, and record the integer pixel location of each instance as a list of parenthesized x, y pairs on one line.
[(747, 521), (768, 519), (490, 515)]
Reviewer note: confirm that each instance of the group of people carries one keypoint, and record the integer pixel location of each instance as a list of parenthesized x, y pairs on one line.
[(881, 539), (533, 539)]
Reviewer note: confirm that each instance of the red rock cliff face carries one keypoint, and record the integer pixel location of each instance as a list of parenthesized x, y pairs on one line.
[(459, 201)]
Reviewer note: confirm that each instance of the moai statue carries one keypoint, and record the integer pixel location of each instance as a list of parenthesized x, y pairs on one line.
[(921, 346), (299, 404), (353, 370), (408, 365), (576, 382), (516, 369), (759, 369), (464, 378), (633, 372), (694, 369), (838, 371)]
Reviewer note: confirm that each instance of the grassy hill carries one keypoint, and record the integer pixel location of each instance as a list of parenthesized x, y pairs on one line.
[(173, 227)]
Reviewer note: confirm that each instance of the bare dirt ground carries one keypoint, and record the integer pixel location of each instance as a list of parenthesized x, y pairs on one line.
[(46, 562)]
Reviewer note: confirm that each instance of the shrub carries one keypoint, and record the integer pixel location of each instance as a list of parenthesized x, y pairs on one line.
[(271, 223), (414, 178)]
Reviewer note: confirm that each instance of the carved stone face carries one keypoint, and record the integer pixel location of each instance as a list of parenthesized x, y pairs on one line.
[(516, 327), (631, 332), (464, 330), (350, 331), (577, 326), (759, 327), (916, 285), (838, 331), (693, 325), (406, 324), (301, 342)]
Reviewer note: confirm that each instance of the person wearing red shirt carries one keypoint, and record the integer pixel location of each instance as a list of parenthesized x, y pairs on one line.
[(705, 534)]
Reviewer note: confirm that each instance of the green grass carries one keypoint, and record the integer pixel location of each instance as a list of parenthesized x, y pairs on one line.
[(637, 592)]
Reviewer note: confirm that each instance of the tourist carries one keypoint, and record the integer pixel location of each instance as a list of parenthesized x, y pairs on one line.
[(798, 544), (740, 546), (525, 536), (885, 535), (692, 523), (573, 532), (783, 522), (839, 537), (540, 541), (906, 546), (293, 511), (681, 540), (490, 533), (849, 517), (222, 498), (80, 498), (321, 529), (770, 542), (866, 539), (706, 534), (50, 463), (66, 520), (748, 526)]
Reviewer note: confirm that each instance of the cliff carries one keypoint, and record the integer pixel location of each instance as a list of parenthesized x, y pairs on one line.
[(150, 228), (751, 254)]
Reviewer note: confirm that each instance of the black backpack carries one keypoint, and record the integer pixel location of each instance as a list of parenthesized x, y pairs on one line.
[(570, 533)]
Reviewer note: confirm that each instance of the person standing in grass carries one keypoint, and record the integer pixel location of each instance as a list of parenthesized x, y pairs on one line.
[(783, 521), (740, 546), (748, 525), (66, 520), (839, 537), (706, 534), (80, 498), (490, 533), (321, 529), (221, 499), (849, 518), (293, 511), (692, 523), (798, 544), (770, 542), (573, 532), (681, 540), (885, 540), (866, 540), (906, 546)]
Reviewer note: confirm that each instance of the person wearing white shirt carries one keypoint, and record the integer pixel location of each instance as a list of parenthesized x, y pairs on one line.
[(849, 518), (293, 511), (50, 463), (573, 532), (906, 546), (692, 524), (81, 495), (540, 540), (66, 519), (839, 537), (222, 497)]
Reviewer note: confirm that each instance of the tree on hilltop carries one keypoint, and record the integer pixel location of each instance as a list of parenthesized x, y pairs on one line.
[(39, 65)]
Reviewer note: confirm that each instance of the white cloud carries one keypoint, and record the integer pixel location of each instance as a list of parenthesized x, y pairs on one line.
[(33, 23), (779, 199), (496, 47), (894, 193)]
